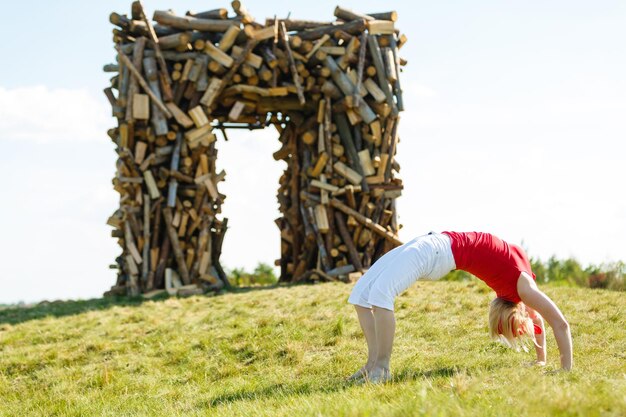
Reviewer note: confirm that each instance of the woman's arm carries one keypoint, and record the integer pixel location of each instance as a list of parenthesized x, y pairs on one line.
[(538, 301), (540, 339)]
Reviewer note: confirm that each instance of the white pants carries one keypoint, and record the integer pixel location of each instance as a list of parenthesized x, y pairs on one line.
[(425, 257)]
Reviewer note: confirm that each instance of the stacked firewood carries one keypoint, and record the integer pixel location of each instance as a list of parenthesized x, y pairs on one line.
[(332, 91)]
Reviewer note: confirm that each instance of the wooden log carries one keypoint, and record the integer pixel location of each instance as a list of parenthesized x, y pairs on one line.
[(133, 88), (211, 92), (330, 90), (218, 85), (138, 27), (259, 34), (292, 64), (375, 227), (374, 90), (309, 137), (390, 65), (268, 56), (252, 59), (380, 173), (320, 164), (366, 162), (242, 12), (219, 240), (392, 149), (324, 186), (229, 38), (144, 84), (145, 264), (119, 20), (347, 172), (347, 240), (383, 83), (392, 15), (348, 15), (173, 237), (354, 27), (198, 116), (270, 104), (360, 92), (159, 122), (347, 141), (360, 68), (218, 55), (181, 118), (133, 271), (202, 135), (236, 111), (140, 151), (397, 88), (210, 14), (173, 41), (175, 161), (318, 44), (192, 23), (130, 243), (172, 281), (189, 290), (298, 25), (164, 252), (347, 87), (197, 68), (173, 55), (401, 41), (341, 270), (333, 50), (141, 106), (153, 190), (312, 274), (108, 92), (157, 49), (351, 48), (323, 255), (380, 27), (321, 218)]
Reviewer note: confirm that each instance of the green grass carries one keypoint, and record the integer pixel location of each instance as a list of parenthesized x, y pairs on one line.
[(285, 352)]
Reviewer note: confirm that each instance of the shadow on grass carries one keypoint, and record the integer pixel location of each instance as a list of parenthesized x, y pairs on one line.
[(281, 390), (286, 390), (17, 315), (408, 374)]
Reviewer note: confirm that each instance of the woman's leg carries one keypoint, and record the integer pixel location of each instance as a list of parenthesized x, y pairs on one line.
[(385, 322), (366, 320)]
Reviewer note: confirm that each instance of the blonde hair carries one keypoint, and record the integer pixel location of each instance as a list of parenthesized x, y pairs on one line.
[(509, 323)]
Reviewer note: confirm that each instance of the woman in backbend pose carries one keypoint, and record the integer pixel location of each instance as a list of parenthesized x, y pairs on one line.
[(515, 313)]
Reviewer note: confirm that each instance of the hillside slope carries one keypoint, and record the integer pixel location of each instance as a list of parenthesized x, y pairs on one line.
[(285, 351)]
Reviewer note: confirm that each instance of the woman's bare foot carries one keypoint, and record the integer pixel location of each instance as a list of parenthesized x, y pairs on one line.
[(361, 373), (379, 375)]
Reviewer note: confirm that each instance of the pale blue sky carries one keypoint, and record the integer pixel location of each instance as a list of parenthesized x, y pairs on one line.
[(514, 124)]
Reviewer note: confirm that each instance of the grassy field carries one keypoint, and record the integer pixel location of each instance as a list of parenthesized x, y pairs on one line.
[(285, 352)]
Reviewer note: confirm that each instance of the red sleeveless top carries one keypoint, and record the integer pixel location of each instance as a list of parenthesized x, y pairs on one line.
[(496, 262)]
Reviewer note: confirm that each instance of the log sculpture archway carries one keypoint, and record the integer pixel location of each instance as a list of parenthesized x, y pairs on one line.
[(332, 91)]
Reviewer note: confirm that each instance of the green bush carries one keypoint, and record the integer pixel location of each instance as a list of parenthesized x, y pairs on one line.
[(568, 272), (457, 275), (263, 274)]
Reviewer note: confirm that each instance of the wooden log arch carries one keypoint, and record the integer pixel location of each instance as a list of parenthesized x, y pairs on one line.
[(330, 89)]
